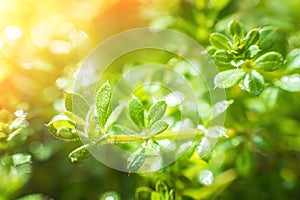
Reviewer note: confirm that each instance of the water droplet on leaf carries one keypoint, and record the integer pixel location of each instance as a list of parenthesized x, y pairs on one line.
[(206, 177), (204, 147)]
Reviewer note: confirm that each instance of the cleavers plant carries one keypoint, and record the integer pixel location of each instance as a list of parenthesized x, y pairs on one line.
[(246, 60), (150, 122), (254, 43)]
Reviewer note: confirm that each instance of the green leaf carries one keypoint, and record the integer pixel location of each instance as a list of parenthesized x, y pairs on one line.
[(223, 66), (222, 56), (162, 190), (236, 29), (255, 105), (271, 39), (76, 104), (210, 50), (119, 129), (63, 123), (14, 134), (290, 83), (270, 97), (156, 112), (252, 37), (137, 112), (103, 101), (253, 83), (219, 41), (152, 148), (270, 61), (33, 197), (228, 78), (69, 101), (237, 63), (136, 160), (158, 127), (20, 159), (73, 117), (17, 123), (155, 196), (244, 162), (63, 133), (293, 59), (67, 133), (63, 128), (79, 154), (143, 192), (113, 116), (252, 51)]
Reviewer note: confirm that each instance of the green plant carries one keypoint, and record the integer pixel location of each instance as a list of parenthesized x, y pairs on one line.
[(15, 167), (256, 47), (246, 60), (255, 66), (149, 126)]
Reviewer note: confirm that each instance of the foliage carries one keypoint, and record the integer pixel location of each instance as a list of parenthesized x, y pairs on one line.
[(14, 168), (256, 47)]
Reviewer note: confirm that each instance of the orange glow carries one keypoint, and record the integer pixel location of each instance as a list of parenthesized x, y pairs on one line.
[(40, 37)]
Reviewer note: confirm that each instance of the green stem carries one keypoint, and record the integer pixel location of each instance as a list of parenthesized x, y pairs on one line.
[(171, 135)]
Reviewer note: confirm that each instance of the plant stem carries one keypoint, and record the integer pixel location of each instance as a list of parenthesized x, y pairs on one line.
[(171, 135)]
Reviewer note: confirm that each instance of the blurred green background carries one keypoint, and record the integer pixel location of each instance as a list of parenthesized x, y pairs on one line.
[(42, 44)]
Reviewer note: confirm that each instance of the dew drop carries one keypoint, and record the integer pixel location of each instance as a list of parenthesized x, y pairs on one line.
[(204, 147), (216, 132), (221, 107), (206, 177)]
